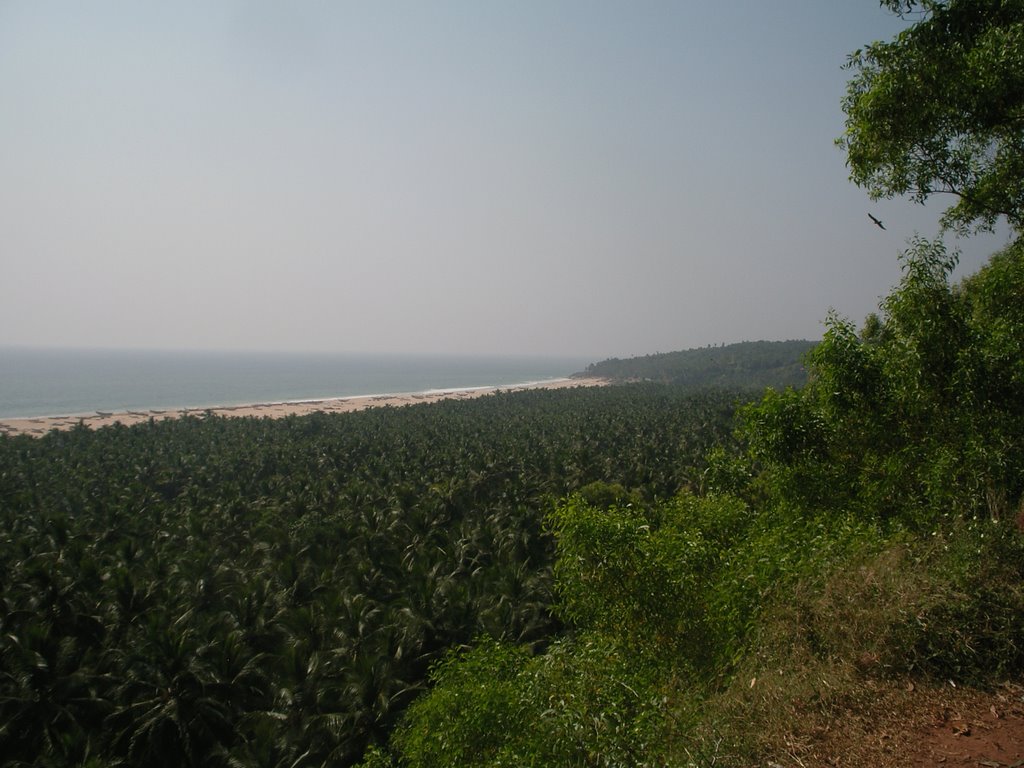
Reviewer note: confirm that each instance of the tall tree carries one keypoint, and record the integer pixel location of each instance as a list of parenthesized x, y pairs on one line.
[(940, 110)]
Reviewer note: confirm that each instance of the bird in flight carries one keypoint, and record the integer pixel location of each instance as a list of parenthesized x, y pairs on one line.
[(880, 224)]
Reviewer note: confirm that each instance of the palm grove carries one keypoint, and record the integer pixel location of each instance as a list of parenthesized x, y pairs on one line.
[(602, 577)]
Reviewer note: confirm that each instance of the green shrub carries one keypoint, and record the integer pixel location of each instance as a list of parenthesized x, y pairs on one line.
[(584, 702), (919, 415), (472, 709)]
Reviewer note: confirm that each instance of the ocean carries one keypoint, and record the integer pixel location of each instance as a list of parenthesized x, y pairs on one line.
[(50, 382)]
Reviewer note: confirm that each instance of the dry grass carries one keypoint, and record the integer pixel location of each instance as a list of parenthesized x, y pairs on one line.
[(844, 673)]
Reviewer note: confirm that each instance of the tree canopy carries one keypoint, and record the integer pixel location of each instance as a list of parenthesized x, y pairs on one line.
[(272, 592), (940, 110), (747, 365)]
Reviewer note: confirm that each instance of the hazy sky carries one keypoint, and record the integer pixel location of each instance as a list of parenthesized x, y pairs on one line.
[(596, 178)]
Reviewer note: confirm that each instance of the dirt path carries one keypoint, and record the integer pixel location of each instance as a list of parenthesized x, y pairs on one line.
[(972, 728), (910, 727)]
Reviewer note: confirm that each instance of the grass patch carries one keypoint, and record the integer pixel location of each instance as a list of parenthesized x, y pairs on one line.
[(843, 648)]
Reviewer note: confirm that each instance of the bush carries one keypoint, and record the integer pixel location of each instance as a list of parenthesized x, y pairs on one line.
[(583, 702), (918, 415)]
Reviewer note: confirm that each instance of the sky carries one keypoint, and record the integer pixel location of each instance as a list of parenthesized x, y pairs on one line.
[(543, 177)]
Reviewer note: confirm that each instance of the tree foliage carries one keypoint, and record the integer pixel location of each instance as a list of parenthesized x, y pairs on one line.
[(940, 110), (918, 414), (747, 365), (211, 591), (584, 702)]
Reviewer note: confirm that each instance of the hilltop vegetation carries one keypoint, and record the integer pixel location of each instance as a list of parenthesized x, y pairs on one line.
[(866, 529), (748, 365)]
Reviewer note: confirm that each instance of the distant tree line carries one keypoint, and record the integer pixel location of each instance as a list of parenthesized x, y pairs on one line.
[(748, 365)]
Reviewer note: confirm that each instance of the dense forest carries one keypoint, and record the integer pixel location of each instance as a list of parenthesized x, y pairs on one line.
[(273, 592), (748, 365)]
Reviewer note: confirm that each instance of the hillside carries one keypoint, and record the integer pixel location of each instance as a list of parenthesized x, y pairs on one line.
[(748, 365), (845, 586)]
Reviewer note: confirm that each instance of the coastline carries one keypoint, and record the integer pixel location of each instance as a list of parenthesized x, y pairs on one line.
[(40, 425)]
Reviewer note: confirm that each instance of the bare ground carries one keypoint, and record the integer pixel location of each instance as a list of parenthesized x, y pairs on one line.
[(905, 725)]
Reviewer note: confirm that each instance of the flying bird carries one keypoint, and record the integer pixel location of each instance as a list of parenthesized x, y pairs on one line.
[(880, 224)]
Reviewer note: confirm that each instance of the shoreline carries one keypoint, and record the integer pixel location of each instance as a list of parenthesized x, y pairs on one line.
[(37, 426)]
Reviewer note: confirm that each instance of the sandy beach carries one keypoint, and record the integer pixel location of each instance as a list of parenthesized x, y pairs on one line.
[(42, 424)]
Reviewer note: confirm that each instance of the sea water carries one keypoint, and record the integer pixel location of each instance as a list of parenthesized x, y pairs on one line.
[(50, 382)]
